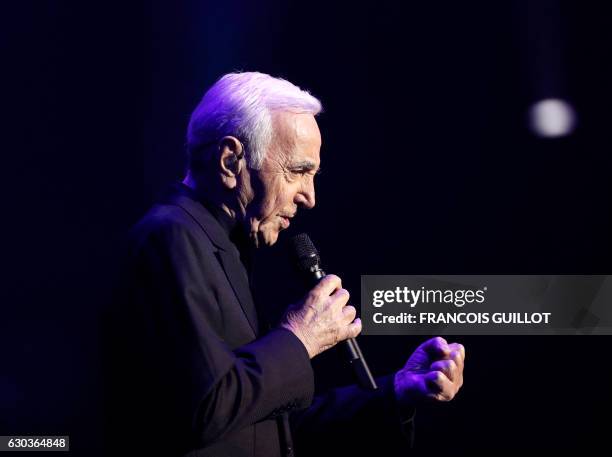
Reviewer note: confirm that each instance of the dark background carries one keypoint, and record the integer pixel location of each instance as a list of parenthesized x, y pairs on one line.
[(428, 168)]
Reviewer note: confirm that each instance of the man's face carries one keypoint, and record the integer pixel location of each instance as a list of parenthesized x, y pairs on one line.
[(285, 181)]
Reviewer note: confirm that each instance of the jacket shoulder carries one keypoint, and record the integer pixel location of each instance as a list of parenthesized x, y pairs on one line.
[(167, 222)]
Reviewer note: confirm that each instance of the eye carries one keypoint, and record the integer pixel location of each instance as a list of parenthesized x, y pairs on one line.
[(299, 171), (306, 171)]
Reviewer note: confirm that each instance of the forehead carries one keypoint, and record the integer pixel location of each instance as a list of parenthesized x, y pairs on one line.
[(296, 137)]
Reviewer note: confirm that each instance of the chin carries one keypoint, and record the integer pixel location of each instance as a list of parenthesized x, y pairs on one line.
[(269, 238)]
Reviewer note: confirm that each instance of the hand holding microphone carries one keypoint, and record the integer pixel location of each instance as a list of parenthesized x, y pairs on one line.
[(322, 318)]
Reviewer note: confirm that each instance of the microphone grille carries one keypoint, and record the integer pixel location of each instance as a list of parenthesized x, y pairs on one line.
[(306, 254)]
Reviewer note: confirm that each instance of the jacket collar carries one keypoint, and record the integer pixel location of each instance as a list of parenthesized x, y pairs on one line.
[(228, 255), (183, 196)]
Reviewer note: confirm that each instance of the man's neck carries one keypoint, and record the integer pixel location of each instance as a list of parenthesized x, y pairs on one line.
[(235, 233), (208, 194)]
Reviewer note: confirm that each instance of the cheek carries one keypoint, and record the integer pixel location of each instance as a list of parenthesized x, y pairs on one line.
[(280, 199)]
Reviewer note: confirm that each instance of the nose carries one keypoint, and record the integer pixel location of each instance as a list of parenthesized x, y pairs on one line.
[(306, 196)]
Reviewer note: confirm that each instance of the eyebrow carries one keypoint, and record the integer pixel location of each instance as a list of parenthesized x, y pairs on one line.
[(305, 165)]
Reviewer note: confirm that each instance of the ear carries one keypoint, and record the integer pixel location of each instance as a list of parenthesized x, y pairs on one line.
[(229, 160)]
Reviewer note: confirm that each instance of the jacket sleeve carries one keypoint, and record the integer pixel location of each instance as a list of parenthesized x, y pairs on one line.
[(198, 378), (350, 420)]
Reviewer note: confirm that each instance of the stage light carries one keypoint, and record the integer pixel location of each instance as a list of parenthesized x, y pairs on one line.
[(552, 118)]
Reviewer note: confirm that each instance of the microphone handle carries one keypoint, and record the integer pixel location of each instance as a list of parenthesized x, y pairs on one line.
[(360, 366)]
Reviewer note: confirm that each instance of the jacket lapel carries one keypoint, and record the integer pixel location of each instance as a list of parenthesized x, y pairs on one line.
[(237, 277), (228, 254)]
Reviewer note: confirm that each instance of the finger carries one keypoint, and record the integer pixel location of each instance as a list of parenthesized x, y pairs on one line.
[(436, 347), (327, 285), (349, 313), (340, 298), (458, 347), (456, 357), (441, 388), (353, 329), (448, 367)]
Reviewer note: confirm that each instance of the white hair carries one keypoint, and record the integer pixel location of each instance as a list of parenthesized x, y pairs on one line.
[(241, 105)]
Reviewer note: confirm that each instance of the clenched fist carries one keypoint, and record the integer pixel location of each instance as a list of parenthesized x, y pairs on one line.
[(323, 318), (433, 372)]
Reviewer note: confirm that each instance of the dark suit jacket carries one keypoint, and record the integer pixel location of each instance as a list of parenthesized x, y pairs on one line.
[(188, 371)]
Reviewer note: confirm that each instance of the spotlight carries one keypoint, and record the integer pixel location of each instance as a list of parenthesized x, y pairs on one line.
[(552, 118)]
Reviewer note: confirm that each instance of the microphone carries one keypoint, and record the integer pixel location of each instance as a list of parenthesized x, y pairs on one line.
[(309, 263)]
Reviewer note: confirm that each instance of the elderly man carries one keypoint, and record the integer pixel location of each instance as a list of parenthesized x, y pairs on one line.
[(198, 377)]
